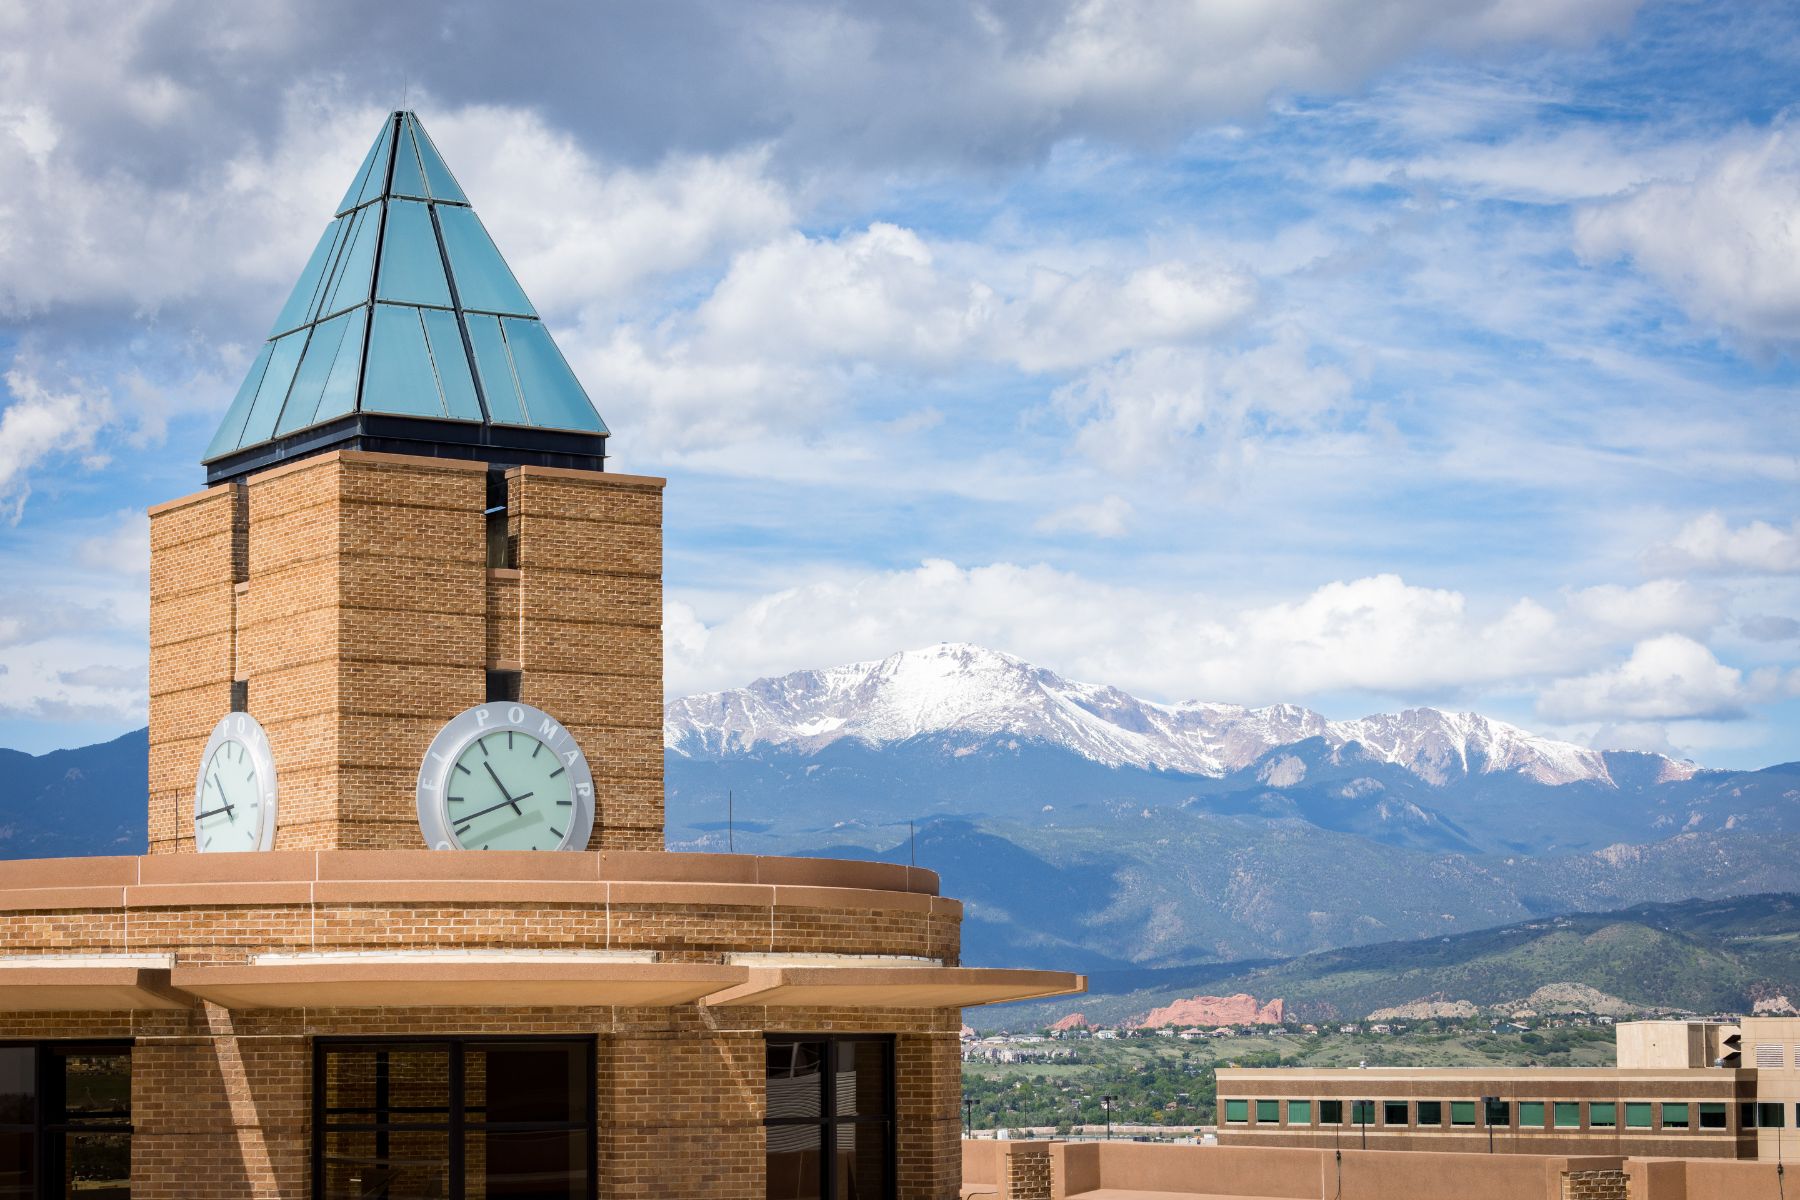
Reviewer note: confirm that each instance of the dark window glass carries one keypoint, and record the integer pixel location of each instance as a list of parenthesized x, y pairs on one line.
[(1769, 1116), (1331, 1112), (1431, 1112), (836, 1142), (1362, 1112), (1393, 1112), (1747, 1115), (1499, 1112), (448, 1120), (793, 1162), (65, 1121), (1712, 1116)]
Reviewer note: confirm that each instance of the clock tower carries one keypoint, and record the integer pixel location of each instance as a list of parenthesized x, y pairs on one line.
[(409, 520)]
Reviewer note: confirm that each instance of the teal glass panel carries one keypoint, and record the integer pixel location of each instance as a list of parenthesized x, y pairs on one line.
[(369, 180), (315, 370), (355, 264), (491, 359), (437, 176), (408, 179), (399, 378), (230, 433), (412, 268), (483, 280), (1674, 1116), (260, 425), (1531, 1114), (1462, 1112), (339, 396), (1637, 1116), (1299, 1112), (1237, 1111), (1567, 1114), (553, 396), (302, 302), (452, 362), (1603, 1116), (1268, 1112)]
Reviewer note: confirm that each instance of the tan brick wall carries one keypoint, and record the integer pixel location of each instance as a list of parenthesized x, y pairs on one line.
[(1595, 1185), (589, 552), (195, 562), (352, 591)]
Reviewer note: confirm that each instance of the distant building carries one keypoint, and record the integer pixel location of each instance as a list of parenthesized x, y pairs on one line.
[(1681, 1089)]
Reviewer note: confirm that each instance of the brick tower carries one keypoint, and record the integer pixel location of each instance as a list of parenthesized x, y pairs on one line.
[(409, 516)]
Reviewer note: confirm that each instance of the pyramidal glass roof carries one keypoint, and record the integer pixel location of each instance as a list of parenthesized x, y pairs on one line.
[(405, 309)]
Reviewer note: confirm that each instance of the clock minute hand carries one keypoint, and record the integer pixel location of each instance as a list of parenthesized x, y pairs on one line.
[(463, 821), (510, 798)]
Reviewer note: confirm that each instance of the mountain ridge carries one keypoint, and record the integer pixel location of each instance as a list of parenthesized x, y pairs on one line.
[(962, 689)]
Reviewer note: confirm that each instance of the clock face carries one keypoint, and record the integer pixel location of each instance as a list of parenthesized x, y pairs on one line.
[(234, 794), (505, 776)]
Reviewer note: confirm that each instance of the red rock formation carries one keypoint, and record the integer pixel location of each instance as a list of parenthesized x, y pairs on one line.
[(1241, 1009), (1072, 1021)]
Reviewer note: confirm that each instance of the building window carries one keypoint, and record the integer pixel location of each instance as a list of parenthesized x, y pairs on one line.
[(1331, 1112), (1674, 1116), (1362, 1112), (1498, 1114), (1712, 1116), (1393, 1112), (1237, 1112), (1567, 1114), (65, 1120), (454, 1118), (503, 686), (1637, 1116), (1531, 1114), (1299, 1112), (829, 1122), (1769, 1116), (1268, 1112), (1431, 1112), (1603, 1116), (1462, 1112)]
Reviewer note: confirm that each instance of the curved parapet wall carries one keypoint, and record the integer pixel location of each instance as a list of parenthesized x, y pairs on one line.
[(696, 908)]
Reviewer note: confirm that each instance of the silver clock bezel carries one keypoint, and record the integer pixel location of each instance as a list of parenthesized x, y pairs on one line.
[(247, 731), (497, 717)]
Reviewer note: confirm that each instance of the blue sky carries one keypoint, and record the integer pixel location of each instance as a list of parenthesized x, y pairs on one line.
[(1288, 351)]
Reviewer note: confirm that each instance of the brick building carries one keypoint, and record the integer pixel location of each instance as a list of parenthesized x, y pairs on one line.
[(406, 928), (1679, 1089)]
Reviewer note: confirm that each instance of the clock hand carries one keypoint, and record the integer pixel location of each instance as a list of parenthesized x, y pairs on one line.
[(463, 820), (510, 798), (213, 812)]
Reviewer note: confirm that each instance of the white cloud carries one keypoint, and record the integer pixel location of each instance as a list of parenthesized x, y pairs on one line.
[(1710, 543), (1377, 634), (122, 550), (1199, 412), (42, 422), (1725, 241), (1107, 517), (1669, 677)]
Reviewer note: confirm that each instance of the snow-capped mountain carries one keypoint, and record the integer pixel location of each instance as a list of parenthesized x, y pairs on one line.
[(967, 691)]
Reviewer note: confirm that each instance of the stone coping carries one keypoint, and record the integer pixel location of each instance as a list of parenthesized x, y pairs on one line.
[(288, 877), (453, 983), (893, 986)]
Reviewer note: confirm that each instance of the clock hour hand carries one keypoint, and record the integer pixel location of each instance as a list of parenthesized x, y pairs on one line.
[(213, 812), (510, 798)]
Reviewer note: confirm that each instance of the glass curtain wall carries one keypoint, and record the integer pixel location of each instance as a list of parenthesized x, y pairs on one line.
[(829, 1118), (496, 1119)]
